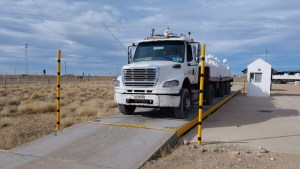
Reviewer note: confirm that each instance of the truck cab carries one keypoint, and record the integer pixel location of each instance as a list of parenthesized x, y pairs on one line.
[(162, 72)]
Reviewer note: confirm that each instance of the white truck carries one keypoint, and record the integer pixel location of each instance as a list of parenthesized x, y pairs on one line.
[(163, 72)]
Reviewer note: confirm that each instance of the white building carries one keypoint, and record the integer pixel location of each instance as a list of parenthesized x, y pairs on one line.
[(259, 78)]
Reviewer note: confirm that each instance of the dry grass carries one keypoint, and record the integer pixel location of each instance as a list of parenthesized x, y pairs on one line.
[(28, 111)]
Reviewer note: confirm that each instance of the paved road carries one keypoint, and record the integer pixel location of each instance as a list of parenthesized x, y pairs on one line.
[(96, 145), (270, 122)]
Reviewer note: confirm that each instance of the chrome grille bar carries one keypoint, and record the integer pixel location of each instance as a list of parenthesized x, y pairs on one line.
[(139, 77)]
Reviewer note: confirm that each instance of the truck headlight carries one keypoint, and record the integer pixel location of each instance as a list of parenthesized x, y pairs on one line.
[(171, 83), (117, 83)]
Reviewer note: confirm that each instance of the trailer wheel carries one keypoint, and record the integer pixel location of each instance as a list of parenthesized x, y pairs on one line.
[(209, 95), (126, 109), (221, 90), (216, 90), (181, 112)]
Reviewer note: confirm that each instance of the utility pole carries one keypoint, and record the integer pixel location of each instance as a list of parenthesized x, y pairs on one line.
[(65, 69), (266, 55), (26, 59)]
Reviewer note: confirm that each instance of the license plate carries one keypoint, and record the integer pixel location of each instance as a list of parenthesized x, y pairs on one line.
[(139, 96)]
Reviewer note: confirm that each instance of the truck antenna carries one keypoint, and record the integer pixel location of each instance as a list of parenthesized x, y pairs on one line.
[(114, 35)]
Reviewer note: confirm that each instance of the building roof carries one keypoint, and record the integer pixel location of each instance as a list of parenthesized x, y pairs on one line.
[(259, 60), (273, 71)]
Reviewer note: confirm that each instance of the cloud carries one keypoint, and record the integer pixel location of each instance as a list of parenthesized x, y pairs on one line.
[(236, 44), (238, 30), (145, 8)]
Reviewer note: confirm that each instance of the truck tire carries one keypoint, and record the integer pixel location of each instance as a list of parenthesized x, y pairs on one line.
[(209, 95), (221, 90), (181, 112), (225, 88), (126, 109), (228, 89)]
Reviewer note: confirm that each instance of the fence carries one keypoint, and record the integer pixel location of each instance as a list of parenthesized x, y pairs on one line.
[(16, 80)]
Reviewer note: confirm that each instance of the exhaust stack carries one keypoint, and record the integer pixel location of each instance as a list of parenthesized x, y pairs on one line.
[(152, 32)]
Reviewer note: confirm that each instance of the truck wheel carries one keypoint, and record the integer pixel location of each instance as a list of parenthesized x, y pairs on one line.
[(181, 112), (225, 88), (126, 109), (221, 90), (209, 95), (228, 87)]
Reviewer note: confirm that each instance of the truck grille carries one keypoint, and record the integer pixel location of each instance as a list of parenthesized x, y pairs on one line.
[(140, 77)]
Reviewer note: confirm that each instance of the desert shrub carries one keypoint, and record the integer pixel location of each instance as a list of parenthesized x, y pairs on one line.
[(5, 121), (102, 111), (11, 139), (34, 96), (14, 101), (111, 104), (67, 122), (82, 94), (37, 107), (3, 101), (3, 93), (86, 111), (8, 110)]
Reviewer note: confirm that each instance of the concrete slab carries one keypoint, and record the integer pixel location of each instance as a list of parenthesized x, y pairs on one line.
[(88, 146), (270, 122)]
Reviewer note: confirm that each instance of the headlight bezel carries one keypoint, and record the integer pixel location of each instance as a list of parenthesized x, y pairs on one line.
[(117, 83), (171, 83)]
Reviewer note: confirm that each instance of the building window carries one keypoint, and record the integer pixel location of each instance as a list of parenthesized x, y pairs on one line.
[(255, 77)]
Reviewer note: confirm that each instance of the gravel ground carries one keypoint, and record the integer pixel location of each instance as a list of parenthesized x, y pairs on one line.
[(225, 155)]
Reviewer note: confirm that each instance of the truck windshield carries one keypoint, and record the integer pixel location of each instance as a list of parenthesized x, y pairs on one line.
[(160, 50)]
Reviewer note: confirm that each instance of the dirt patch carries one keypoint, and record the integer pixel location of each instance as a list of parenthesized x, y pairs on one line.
[(212, 156)]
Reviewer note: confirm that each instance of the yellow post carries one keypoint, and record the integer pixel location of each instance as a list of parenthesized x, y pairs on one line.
[(58, 93), (201, 86)]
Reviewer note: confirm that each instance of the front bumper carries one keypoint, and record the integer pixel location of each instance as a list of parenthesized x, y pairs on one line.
[(148, 100)]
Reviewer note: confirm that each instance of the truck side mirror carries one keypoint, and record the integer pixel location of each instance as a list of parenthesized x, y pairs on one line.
[(131, 51), (129, 54), (198, 53), (189, 53)]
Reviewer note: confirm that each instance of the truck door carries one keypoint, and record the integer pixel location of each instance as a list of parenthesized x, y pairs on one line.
[(192, 68)]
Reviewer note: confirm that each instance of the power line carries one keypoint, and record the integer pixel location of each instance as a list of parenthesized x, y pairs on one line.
[(114, 35)]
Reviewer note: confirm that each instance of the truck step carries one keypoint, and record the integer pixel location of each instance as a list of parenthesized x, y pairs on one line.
[(193, 91), (194, 103)]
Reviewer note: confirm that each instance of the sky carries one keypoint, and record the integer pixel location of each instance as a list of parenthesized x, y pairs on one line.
[(93, 35)]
